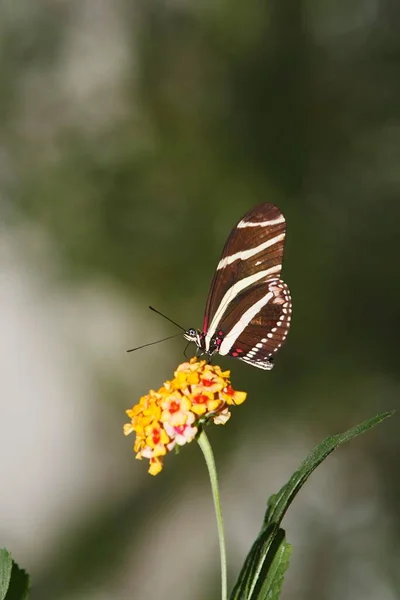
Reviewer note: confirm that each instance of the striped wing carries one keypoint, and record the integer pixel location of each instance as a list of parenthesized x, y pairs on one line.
[(257, 323), (252, 254)]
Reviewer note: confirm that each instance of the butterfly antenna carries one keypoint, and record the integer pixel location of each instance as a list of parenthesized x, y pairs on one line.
[(152, 343), (165, 317)]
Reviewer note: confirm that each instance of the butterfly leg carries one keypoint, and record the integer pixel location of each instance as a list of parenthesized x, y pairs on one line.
[(184, 352)]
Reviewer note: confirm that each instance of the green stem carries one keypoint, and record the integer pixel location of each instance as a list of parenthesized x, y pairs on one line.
[(210, 462)]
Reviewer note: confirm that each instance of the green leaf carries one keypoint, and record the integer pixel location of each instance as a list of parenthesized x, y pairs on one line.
[(279, 503), (270, 580), (254, 582), (5, 572), (14, 582)]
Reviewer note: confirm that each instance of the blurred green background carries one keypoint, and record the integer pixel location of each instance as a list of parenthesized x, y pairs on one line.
[(134, 134)]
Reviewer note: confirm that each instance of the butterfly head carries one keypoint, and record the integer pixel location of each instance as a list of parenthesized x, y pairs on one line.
[(196, 336), (199, 338)]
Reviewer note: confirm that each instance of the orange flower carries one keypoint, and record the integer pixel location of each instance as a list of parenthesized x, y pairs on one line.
[(173, 415)]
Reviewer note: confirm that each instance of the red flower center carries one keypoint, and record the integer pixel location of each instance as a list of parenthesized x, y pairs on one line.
[(156, 437), (200, 399), (174, 406)]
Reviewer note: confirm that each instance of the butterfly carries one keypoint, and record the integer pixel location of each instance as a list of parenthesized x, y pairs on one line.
[(249, 307)]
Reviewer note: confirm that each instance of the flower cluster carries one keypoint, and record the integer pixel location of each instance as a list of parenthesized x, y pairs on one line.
[(171, 417)]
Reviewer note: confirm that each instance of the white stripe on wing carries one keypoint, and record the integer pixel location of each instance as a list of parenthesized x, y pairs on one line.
[(230, 295), (277, 221), (241, 325), (245, 254)]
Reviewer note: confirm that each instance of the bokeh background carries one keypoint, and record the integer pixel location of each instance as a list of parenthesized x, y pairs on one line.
[(134, 134)]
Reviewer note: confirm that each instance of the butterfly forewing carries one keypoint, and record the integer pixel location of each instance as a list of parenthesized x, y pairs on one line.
[(252, 253)]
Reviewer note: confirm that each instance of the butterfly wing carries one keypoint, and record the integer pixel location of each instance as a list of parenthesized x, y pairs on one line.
[(257, 323), (252, 255)]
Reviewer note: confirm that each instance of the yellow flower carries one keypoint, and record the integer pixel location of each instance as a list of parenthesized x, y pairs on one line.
[(172, 416), (155, 466), (176, 408), (232, 397), (202, 400)]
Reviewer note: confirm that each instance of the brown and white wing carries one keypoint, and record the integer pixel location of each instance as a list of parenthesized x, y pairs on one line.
[(252, 254), (256, 324)]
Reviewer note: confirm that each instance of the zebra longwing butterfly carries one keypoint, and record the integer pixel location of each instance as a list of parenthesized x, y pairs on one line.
[(249, 307)]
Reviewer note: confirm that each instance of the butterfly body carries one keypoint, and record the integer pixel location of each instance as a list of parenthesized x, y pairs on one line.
[(248, 309)]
